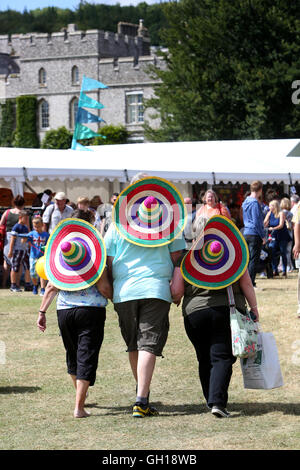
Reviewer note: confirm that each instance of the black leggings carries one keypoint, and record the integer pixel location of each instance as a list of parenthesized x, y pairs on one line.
[(82, 331), (209, 331)]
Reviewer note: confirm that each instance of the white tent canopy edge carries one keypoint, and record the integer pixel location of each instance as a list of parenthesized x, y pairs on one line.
[(180, 162)]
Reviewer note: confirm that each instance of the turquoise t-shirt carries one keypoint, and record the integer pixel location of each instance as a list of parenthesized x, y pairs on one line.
[(89, 297), (140, 272)]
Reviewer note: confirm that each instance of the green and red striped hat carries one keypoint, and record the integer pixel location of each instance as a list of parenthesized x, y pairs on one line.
[(150, 212), (75, 255), (219, 256)]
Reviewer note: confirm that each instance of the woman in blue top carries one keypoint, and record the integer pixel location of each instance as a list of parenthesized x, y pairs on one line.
[(275, 220), (81, 317)]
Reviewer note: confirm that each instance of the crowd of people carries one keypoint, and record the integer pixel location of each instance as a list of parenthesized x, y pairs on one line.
[(267, 223), (26, 231), (142, 280)]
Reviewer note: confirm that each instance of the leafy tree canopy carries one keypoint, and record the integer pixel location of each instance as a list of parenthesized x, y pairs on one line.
[(231, 65)]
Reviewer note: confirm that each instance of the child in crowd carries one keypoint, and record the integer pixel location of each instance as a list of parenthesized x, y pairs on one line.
[(37, 239), (19, 254)]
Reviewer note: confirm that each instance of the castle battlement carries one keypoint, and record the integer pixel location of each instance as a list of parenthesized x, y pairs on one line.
[(70, 41)]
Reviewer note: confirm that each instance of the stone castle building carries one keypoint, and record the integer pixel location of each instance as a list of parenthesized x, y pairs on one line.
[(51, 67)]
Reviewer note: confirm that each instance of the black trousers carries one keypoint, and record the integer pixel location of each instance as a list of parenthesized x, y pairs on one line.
[(82, 332), (209, 331)]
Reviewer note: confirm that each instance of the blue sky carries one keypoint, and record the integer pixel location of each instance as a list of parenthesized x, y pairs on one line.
[(19, 5)]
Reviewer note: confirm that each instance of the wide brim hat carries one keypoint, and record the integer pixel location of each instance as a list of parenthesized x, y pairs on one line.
[(218, 257), (150, 212), (75, 255)]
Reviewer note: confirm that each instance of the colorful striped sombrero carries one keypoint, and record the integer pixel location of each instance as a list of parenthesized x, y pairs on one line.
[(75, 255), (149, 212), (219, 256)]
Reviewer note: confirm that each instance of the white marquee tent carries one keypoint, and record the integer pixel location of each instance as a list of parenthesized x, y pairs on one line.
[(181, 162)]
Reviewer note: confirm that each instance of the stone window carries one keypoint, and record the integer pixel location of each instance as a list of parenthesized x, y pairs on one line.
[(42, 77), (73, 112), (44, 114), (75, 75), (134, 107)]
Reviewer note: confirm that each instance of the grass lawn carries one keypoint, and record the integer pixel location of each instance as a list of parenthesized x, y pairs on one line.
[(37, 398)]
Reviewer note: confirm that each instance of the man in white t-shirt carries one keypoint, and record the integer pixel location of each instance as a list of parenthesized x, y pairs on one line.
[(56, 212)]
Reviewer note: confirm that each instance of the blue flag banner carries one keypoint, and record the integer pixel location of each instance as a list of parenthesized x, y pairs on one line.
[(87, 102), (77, 146), (84, 132), (90, 84), (84, 116)]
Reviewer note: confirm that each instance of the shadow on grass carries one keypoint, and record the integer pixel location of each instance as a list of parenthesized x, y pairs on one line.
[(257, 409), (13, 390), (237, 409)]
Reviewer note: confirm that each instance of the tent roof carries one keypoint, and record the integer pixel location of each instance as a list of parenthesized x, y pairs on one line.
[(211, 161)]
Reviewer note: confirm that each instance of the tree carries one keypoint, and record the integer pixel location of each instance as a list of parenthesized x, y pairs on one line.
[(114, 135), (230, 68), (59, 138)]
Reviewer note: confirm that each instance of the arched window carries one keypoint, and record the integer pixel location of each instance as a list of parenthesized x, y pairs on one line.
[(73, 112), (75, 75), (42, 77), (44, 114)]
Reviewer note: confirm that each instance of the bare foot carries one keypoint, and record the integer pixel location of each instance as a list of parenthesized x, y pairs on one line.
[(81, 414)]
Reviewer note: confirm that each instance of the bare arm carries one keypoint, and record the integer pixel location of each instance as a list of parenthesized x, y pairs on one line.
[(104, 285), (11, 246), (48, 297), (175, 256), (267, 218), (249, 292), (296, 249), (3, 218), (177, 286)]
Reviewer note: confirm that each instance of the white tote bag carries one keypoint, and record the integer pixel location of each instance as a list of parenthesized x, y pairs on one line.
[(263, 371)]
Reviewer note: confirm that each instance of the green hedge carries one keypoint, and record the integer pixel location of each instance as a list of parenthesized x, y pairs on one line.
[(26, 123), (8, 122)]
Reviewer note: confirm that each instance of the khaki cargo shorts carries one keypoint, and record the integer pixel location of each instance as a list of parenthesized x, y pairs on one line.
[(144, 324)]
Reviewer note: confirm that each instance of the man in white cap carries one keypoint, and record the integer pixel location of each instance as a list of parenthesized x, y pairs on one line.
[(56, 212)]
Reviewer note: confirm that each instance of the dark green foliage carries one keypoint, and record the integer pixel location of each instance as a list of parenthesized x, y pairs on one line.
[(59, 138), (114, 135), (86, 15), (7, 125), (231, 65), (26, 123)]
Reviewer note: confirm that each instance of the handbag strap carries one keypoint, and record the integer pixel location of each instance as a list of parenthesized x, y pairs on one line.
[(230, 296)]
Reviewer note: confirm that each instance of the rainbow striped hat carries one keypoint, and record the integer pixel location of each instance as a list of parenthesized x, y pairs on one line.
[(219, 256), (149, 212), (75, 255)]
